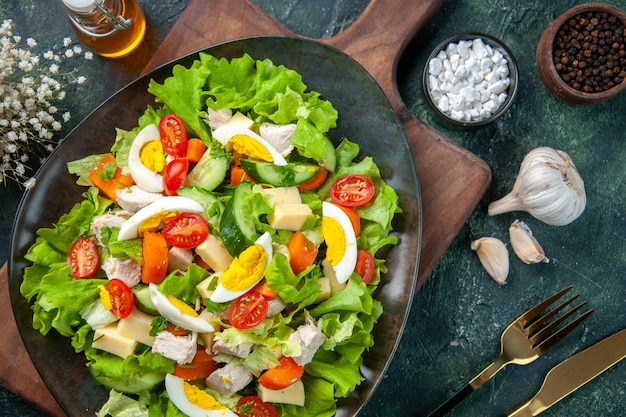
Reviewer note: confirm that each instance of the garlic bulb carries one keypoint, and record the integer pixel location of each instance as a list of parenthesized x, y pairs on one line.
[(548, 186), (494, 257), (525, 245)]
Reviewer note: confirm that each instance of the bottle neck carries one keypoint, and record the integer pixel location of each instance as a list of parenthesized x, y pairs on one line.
[(98, 18)]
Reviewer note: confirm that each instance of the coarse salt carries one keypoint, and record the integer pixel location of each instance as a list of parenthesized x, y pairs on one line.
[(468, 80)]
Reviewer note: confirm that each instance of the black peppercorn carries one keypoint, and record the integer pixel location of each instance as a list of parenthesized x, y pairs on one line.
[(589, 52)]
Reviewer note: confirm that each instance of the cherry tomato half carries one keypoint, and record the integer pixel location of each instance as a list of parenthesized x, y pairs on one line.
[(83, 258), (122, 298), (174, 175), (248, 311), (365, 265), (352, 190), (187, 230), (173, 135), (283, 375), (253, 406)]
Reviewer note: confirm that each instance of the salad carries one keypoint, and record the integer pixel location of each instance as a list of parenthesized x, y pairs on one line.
[(223, 259)]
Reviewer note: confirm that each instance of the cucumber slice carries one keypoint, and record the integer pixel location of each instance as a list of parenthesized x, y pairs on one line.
[(237, 228), (143, 301), (209, 172), (330, 160), (279, 176)]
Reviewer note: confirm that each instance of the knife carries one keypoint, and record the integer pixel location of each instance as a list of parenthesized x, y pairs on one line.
[(574, 372)]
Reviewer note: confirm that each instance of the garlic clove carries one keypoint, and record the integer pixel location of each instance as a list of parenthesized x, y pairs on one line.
[(548, 186), (494, 257), (524, 244)]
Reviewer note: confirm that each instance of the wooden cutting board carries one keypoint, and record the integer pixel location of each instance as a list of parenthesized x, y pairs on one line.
[(452, 180)]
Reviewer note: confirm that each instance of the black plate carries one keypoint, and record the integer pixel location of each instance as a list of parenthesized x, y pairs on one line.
[(365, 117)]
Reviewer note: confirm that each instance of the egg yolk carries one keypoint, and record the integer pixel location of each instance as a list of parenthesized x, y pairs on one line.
[(200, 398), (152, 156), (105, 297), (245, 270), (335, 239), (152, 223), (182, 306), (247, 145)]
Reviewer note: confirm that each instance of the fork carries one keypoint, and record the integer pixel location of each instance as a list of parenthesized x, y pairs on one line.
[(524, 340)]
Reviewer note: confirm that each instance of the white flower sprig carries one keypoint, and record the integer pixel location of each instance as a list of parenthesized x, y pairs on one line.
[(31, 86)]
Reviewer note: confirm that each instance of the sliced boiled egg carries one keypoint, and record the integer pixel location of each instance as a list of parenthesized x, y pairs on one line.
[(177, 312), (247, 142), (146, 159), (245, 271), (341, 246), (130, 227), (193, 401)]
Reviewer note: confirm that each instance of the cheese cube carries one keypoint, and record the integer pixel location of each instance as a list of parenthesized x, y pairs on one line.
[(284, 194), (293, 394), (209, 337), (137, 326), (203, 286), (325, 289), (289, 216), (214, 253), (110, 340), (329, 273), (242, 120)]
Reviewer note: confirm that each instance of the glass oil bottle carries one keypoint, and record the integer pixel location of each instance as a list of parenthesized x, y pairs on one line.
[(110, 28)]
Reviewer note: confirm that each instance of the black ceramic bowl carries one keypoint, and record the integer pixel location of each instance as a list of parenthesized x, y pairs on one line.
[(487, 113)]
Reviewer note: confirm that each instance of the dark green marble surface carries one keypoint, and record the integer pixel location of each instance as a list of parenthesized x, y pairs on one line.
[(456, 319)]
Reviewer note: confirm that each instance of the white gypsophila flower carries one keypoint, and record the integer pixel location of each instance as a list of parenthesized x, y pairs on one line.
[(30, 183), (32, 87)]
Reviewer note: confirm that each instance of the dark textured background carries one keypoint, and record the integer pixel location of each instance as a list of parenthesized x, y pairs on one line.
[(456, 319)]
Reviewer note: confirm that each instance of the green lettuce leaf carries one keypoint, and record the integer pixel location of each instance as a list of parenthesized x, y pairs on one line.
[(183, 286), (120, 405), (60, 298), (183, 94), (136, 374), (70, 227), (292, 288)]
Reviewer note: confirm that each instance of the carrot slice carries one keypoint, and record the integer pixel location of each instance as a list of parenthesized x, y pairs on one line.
[(283, 375), (154, 268), (237, 175), (302, 252), (109, 180), (316, 182), (201, 366), (266, 291), (195, 150)]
